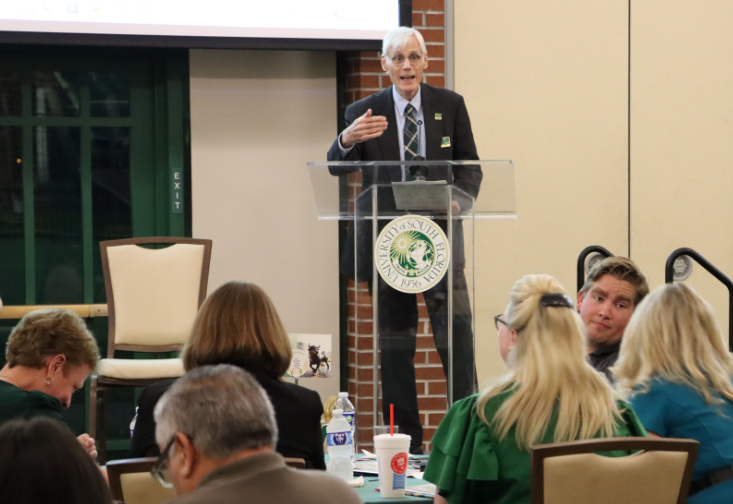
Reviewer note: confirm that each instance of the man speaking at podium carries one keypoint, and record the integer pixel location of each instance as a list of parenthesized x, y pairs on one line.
[(411, 120)]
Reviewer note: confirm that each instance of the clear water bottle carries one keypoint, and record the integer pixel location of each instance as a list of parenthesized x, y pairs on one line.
[(345, 405), (340, 447)]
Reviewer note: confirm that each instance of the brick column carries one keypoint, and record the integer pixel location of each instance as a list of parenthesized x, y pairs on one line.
[(364, 76)]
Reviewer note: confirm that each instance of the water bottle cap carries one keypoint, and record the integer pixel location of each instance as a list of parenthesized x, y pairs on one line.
[(338, 413), (344, 394)]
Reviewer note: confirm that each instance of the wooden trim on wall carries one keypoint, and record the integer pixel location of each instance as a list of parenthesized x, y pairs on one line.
[(17, 312)]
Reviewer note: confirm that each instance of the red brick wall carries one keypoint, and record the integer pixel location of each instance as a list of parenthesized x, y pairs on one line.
[(364, 76)]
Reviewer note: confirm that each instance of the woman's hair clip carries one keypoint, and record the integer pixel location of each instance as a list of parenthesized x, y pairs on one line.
[(556, 299)]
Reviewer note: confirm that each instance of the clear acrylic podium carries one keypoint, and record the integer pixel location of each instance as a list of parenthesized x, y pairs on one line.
[(407, 237)]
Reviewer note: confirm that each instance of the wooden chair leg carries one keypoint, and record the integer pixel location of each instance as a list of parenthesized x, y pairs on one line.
[(93, 408), (101, 428), (97, 420)]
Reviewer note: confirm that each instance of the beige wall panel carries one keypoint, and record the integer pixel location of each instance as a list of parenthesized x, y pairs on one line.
[(546, 86), (257, 118), (681, 130)]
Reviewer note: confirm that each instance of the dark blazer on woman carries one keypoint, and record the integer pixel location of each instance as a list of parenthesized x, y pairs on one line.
[(298, 413)]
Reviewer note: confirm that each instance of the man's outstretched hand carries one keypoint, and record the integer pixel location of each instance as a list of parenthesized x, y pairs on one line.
[(362, 129)]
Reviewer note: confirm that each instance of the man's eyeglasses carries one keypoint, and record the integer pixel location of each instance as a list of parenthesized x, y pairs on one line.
[(498, 320), (399, 60), (160, 469)]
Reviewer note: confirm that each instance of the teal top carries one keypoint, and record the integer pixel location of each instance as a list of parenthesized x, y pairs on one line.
[(18, 403), (469, 464), (675, 410)]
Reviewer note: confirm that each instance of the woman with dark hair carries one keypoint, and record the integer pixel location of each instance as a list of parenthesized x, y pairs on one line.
[(49, 355), (239, 325), (41, 462)]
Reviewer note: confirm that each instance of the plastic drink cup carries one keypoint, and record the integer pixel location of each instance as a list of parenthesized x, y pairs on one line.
[(384, 429), (392, 463)]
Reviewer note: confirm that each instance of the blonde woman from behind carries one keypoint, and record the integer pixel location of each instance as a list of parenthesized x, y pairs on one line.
[(675, 368), (550, 394)]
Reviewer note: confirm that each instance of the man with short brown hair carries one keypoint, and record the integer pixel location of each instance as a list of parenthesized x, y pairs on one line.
[(613, 289)]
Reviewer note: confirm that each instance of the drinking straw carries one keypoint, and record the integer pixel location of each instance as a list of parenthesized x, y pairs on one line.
[(391, 419)]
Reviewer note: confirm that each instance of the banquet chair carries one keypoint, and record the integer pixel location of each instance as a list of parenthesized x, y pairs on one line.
[(659, 472), (153, 296), (295, 463), (130, 482)]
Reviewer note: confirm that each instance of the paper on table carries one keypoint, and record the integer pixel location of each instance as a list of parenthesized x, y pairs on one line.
[(370, 467), (357, 482), (427, 490)]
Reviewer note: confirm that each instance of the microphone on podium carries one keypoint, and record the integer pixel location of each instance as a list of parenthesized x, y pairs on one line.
[(419, 172)]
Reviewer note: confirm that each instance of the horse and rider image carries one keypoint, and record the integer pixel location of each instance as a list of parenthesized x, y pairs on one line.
[(317, 361)]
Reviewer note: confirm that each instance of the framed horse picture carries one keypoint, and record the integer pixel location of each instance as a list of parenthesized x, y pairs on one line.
[(316, 352)]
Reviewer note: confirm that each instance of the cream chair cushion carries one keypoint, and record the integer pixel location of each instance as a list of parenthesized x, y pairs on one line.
[(130, 369), (143, 488), (156, 292), (650, 477)]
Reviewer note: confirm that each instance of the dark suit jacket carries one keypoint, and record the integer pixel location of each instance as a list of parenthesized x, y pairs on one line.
[(298, 413), (454, 124)]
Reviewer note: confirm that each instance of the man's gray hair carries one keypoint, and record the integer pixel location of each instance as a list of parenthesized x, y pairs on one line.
[(399, 37), (221, 408)]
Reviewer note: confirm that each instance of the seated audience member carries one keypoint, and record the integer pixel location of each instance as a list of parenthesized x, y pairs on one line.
[(551, 394), (41, 462), (49, 356), (216, 430), (614, 287), (238, 324), (676, 369)]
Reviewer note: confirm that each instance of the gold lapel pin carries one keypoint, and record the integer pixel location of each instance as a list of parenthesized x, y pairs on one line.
[(438, 116)]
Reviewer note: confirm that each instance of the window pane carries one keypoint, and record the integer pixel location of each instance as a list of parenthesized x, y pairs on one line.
[(55, 94), (111, 195), (110, 94), (10, 96), (12, 258), (59, 259)]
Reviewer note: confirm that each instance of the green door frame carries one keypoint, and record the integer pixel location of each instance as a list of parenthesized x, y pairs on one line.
[(160, 147)]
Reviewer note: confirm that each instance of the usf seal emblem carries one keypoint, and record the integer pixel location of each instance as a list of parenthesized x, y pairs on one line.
[(412, 254)]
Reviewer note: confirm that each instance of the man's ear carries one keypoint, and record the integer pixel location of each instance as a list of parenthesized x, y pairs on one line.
[(188, 457), (580, 300), (384, 63)]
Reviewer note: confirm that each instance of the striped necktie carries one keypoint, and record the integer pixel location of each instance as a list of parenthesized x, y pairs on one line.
[(412, 148)]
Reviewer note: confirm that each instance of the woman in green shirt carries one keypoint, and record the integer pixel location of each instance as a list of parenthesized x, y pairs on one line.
[(551, 394), (49, 356)]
